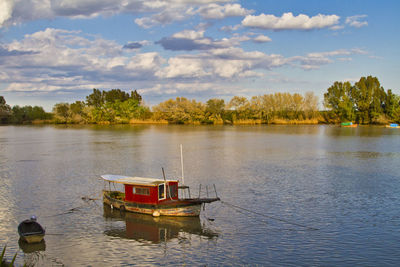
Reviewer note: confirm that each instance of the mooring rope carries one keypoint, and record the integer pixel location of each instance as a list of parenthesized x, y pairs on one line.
[(269, 217), (69, 211), (63, 213)]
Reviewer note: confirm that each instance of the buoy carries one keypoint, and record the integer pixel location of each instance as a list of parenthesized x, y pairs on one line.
[(112, 206), (156, 213)]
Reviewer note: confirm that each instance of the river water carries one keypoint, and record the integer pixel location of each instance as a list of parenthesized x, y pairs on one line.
[(309, 195)]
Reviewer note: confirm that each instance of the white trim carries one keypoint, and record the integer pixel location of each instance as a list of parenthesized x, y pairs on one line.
[(165, 191), (134, 180)]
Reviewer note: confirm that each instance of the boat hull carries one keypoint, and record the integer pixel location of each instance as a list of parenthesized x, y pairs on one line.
[(176, 208), (31, 231), (32, 238)]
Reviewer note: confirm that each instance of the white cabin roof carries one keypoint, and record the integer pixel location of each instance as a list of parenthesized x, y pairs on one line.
[(134, 180)]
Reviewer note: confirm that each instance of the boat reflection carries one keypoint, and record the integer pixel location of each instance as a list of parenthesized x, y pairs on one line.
[(142, 227), (31, 248)]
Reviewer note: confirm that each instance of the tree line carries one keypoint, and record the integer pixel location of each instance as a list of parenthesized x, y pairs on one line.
[(19, 115), (269, 108), (114, 106), (365, 102)]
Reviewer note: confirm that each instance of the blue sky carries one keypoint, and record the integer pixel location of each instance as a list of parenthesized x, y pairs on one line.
[(55, 51)]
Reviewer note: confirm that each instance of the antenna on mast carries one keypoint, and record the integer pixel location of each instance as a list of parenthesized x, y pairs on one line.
[(183, 177)]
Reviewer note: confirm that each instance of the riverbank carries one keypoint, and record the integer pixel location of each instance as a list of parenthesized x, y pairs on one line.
[(165, 122)]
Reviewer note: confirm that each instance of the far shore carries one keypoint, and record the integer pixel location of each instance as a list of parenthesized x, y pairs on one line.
[(218, 123)]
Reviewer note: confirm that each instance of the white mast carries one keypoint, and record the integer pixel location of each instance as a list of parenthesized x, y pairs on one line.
[(183, 178)]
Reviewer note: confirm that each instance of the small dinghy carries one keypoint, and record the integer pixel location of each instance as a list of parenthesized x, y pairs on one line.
[(31, 231)]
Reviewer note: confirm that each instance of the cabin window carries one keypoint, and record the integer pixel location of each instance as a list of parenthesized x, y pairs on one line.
[(172, 191), (161, 191), (141, 191)]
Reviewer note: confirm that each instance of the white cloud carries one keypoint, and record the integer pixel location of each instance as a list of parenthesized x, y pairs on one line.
[(166, 16), (355, 21), (6, 7), (289, 22), (181, 67), (340, 52), (359, 51), (189, 34), (185, 9), (189, 40), (317, 59), (230, 28), (61, 60), (17, 11), (223, 63), (188, 88), (147, 61), (230, 68), (337, 27), (345, 59), (26, 10), (262, 39), (214, 11)]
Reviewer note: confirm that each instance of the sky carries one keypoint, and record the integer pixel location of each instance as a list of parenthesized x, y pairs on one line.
[(54, 51)]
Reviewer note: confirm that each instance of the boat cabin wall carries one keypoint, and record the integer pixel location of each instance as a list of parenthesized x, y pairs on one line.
[(150, 194), (141, 194)]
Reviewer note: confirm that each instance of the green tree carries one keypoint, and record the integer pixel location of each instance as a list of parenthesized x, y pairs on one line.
[(62, 110), (392, 105), (17, 114), (5, 111), (215, 110), (241, 107), (269, 107), (296, 106), (180, 110), (369, 97), (114, 106), (78, 112), (135, 96), (339, 99), (38, 113), (27, 114), (95, 99), (115, 95), (77, 107)]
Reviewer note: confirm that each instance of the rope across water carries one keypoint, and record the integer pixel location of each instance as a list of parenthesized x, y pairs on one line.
[(269, 217)]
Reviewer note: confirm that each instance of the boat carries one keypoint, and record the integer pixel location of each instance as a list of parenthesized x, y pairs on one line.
[(31, 231), (348, 124), (157, 197), (393, 125)]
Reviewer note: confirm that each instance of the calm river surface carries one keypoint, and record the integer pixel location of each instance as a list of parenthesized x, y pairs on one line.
[(330, 196)]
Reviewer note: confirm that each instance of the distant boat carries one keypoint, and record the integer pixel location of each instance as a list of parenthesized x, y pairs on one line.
[(31, 231), (393, 125), (153, 196), (348, 124)]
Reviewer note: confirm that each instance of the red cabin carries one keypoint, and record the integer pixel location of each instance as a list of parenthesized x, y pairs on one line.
[(152, 194), (146, 190)]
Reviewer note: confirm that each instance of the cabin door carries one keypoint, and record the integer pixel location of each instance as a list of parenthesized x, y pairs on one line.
[(161, 191)]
